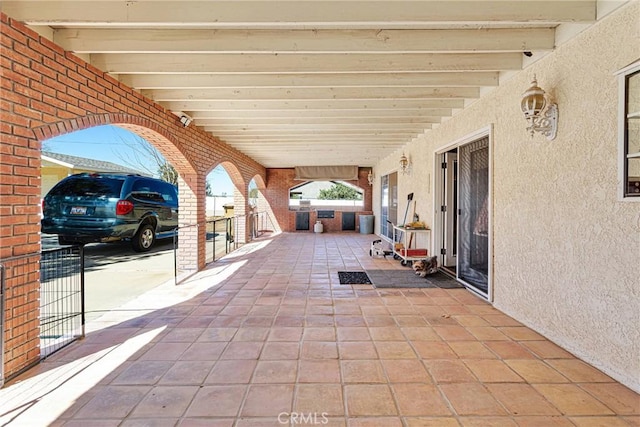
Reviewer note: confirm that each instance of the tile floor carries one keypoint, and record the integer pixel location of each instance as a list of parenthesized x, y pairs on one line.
[(268, 337)]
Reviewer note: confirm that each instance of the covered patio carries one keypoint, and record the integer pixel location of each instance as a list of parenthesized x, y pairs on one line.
[(268, 336)]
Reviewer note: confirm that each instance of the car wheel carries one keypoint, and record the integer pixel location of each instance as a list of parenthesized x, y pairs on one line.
[(144, 238)]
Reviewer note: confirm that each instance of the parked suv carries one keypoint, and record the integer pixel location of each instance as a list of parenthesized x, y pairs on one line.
[(107, 207)]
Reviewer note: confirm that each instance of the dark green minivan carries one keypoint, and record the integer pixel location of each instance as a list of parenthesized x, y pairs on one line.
[(107, 207)]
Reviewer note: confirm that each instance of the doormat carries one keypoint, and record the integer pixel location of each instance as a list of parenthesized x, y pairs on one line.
[(353, 278), (409, 279)]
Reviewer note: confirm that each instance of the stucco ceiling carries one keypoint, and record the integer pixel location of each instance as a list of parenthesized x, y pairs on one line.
[(308, 82)]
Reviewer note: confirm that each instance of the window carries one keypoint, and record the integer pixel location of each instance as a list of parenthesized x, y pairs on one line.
[(336, 195), (630, 130)]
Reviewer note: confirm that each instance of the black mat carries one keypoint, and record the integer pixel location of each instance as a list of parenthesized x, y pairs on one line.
[(409, 279), (353, 278)]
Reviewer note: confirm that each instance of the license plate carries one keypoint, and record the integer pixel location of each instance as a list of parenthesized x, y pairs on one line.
[(78, 210)]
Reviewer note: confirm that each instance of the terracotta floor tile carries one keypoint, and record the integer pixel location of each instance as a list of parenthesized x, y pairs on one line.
[(353, 334), (578, 371), (188, 372), (520, 333), (394, 350), (232, 372), (616, 396), (420, 333), (242, 350), (280, 351), (499, 319), (375, 422), (431, 422), (509, 350), (571, 400), (468, 320), (547, 350), (143, 373), (380, 321), (204, 351), (362, 371), (471, 350), (411, 321), (487, 333), (471, 399), (319, 398), (354, 321), (217, 334), (449, 371), (275, 371), (522, 399), (268, 400), (406, 371), (453, 333), (165, 401), (319, 350), (387, 333), (434, 350), (487, 422), (536, 371), (357, 350), (544, 421), (113, 402), (217, 401), (164, 351), (599, 422), (420, 400), (492, 371), (285, 334), (369, 400), (319, 371), (319, 334)]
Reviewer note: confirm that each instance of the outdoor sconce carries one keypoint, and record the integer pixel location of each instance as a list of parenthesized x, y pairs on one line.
[(404, 164), (185, 120), (541, 117), (370, 177)]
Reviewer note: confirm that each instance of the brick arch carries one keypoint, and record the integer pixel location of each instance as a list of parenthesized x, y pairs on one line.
[(142, 126)]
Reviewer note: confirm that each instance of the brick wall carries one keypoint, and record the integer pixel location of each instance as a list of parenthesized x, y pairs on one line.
[(279, 181), (46, 92)]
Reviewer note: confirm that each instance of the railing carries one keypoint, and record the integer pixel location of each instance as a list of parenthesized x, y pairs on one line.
[(221, 235), (62, 310), (2, 293)]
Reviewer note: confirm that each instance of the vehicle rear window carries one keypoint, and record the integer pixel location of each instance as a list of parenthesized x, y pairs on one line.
[(87, 186)]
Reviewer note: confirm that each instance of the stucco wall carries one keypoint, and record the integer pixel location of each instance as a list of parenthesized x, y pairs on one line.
[(566, 251)]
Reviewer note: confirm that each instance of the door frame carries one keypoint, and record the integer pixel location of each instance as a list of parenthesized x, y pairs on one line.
[(438, 199)]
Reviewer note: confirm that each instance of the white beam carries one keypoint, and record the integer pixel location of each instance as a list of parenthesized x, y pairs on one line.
[(250, 114), (203, 81), (295, 14), (100, 40), (386, 104), (310, 93), (191, 63)]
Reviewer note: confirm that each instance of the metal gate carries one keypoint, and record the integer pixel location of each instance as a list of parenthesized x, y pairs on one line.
[(62, 312)]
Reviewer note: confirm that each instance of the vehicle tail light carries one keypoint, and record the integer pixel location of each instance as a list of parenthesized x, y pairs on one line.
[(123, 207)]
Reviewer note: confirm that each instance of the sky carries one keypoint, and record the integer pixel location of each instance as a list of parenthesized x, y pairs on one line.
[(117, 145)]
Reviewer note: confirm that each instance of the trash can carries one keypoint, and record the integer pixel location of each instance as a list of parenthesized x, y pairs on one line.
[(366, 224)]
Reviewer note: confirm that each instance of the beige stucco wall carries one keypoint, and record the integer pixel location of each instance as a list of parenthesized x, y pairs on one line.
[(566, 251)]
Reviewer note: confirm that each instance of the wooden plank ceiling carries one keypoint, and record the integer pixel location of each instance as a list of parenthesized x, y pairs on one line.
[(307, 82)]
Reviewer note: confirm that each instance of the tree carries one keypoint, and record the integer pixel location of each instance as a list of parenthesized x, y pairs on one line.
[(339, 191), (168, 173), (208, 190)]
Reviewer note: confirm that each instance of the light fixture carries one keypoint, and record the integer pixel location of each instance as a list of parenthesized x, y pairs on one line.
[(541, 117), (185, 120), (405, 166), (370, 177)]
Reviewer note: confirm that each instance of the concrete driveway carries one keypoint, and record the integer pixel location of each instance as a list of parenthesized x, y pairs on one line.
[(115, 274)]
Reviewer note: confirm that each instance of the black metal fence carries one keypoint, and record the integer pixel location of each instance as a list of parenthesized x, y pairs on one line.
[(62, 312)]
